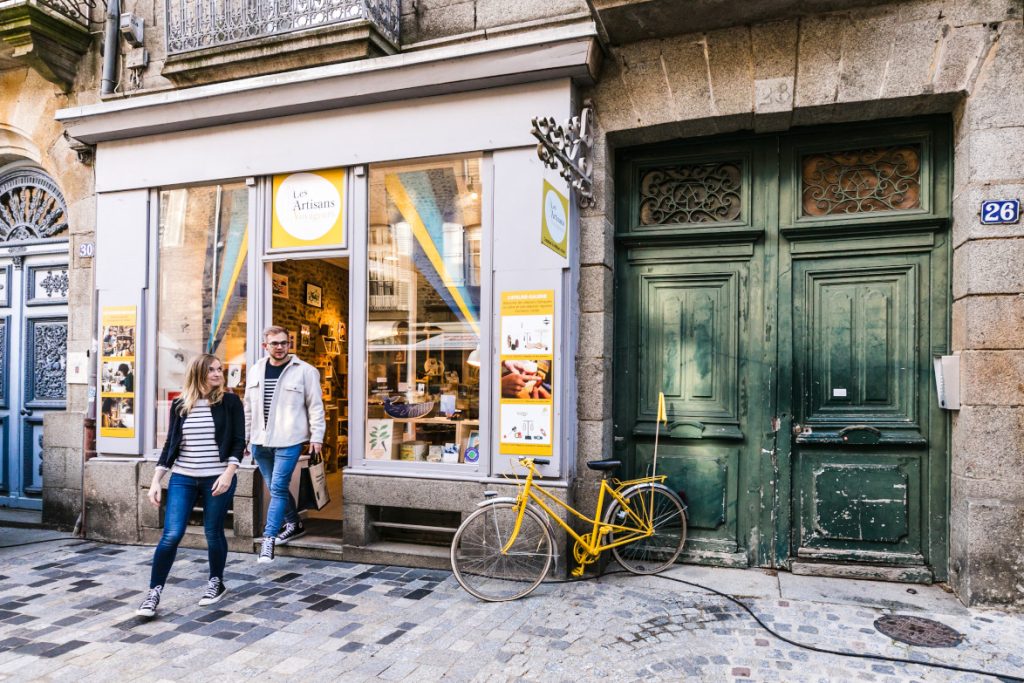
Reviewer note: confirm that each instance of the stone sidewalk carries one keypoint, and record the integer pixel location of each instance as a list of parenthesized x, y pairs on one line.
[(67, 614)]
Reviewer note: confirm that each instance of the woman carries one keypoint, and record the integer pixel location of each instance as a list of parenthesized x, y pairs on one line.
[(204, 445)]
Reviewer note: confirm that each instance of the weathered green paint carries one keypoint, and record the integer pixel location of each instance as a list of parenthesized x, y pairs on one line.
[(773, 322)]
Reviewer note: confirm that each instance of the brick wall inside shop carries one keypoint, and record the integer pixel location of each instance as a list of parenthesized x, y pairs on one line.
[(292, 312)]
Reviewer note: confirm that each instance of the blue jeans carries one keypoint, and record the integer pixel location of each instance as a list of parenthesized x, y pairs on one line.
[(276, 465), (182, 493)]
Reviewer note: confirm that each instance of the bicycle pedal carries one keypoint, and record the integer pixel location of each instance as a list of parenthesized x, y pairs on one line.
[(578, 572)]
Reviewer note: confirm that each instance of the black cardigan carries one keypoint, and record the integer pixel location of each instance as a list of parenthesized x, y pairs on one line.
[(228, 430)]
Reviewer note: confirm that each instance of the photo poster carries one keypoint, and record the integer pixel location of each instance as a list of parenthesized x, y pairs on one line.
[(118, 372), (527, 397)]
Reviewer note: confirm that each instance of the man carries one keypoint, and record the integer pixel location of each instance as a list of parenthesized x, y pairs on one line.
[(283, 409)]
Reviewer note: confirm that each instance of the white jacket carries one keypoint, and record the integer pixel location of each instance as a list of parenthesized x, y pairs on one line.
[(296, 411)]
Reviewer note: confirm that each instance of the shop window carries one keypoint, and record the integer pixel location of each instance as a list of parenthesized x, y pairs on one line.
[(201, 286), (424, 312)]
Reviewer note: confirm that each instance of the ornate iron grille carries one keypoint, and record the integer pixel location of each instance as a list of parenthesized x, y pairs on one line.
[(200, 24), (31, 207), (692, 193), (78, 11), (862, 181)]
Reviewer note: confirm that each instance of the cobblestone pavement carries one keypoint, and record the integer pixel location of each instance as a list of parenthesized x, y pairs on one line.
[(67, 614)]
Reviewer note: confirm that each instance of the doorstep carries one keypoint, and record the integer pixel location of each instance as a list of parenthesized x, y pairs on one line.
[(22, 519), (401, 555)]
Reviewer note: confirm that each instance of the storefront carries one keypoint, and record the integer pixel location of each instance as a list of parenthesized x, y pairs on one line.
[(400, 245)]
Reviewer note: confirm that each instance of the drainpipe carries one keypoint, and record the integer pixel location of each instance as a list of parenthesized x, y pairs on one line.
[(110, 47)]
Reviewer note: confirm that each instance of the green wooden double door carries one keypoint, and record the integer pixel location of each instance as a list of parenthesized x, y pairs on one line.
[(787, 293)]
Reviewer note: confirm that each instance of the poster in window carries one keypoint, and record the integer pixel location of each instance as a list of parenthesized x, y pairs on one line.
[(118, 371), (309, 210), (554, 220), (526, 371)]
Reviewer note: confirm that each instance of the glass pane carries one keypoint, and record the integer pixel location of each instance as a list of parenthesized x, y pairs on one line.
[(201, 290), (692, 193), (862, 181), (423, 333)]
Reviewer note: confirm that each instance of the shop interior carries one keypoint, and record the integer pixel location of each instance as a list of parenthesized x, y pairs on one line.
[(311, 300), (423, 328)]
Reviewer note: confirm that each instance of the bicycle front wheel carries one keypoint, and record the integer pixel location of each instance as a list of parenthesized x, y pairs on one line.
[(651, 554), (484, 570)]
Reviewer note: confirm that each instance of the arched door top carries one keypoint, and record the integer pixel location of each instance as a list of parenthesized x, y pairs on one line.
[(31, 207)]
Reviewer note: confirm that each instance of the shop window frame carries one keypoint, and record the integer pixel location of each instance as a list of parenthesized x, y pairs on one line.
[(148, 321), (359, 388)]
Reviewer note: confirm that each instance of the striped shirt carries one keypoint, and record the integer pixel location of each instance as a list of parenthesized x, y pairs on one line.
[(199, 456), (270, 376)]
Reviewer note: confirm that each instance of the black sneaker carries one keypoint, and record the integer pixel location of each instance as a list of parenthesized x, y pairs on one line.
[(291, 531), (266, 551), (148, 607), (215, 590)]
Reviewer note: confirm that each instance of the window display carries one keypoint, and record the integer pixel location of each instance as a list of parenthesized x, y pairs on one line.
[(201, 288), (424, 312)]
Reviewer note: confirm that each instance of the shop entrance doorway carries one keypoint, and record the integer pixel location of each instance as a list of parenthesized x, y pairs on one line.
[(310, 299)]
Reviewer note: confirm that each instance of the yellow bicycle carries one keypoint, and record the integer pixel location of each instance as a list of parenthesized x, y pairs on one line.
[(504, 549)]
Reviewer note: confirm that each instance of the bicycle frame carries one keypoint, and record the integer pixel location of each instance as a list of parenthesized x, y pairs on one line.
[(643, 525)]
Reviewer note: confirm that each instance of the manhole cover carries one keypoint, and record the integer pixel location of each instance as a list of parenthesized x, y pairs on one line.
[(918, 631)]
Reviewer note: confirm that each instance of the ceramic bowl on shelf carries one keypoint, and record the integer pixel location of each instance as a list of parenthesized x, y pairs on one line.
[(407, 410)]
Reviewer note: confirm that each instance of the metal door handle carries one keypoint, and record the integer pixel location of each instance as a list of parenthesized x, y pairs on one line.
[(26, 411), (797, 429)]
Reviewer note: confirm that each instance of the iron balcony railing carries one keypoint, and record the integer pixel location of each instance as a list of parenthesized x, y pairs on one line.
[(77, 11), (201, 24)]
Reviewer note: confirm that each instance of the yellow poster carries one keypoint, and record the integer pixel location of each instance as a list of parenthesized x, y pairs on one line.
[(554, 220), (309, 210), (118, 371), (526, 406)]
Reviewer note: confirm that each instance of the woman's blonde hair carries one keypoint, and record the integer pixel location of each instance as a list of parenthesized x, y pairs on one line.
[(197, 386)]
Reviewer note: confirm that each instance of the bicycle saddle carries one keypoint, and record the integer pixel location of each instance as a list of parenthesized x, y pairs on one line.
[(603, 465)]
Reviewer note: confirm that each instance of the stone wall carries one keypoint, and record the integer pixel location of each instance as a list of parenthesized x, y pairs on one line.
[(905, 59)]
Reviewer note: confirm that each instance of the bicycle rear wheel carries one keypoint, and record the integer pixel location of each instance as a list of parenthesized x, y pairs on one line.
[(483, 570), (654, 553)]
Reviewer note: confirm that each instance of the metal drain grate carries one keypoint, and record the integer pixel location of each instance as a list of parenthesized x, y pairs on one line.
[(918, 631)]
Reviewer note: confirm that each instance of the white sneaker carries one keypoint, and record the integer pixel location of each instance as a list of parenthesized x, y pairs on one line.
[(290, 532), (266, 551), (215, 590), (148, 607)]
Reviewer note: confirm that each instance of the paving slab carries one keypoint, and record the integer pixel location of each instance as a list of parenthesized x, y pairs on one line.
[(882, 594), (67, 614)]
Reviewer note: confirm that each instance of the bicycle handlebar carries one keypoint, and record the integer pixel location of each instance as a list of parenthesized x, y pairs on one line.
[(536, 461)]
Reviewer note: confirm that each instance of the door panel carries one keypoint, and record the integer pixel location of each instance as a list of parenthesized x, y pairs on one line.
[(859, 506), (859, 345), (33, 379), (691, 324), (858, 341)]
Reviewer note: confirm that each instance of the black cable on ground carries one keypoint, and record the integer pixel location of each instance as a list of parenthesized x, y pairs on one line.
[(814, 648)]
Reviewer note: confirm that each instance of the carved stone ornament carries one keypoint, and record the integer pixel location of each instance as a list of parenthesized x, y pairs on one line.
[(31, 207), (569, 146)]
